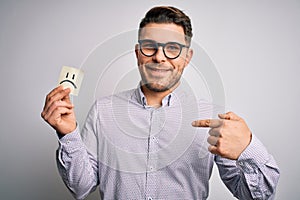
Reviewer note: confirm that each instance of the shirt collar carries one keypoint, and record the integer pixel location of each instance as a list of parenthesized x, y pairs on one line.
[(168, 100)]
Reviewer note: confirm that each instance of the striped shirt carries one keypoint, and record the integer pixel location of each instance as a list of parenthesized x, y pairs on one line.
[(134, 151)]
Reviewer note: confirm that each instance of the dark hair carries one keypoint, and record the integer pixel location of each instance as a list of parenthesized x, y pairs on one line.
[(168, 14)]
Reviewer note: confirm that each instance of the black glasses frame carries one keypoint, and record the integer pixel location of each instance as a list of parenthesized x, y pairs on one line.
[(158, 44)]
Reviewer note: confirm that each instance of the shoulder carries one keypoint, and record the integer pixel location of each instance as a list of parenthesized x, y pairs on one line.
[(116, 98)]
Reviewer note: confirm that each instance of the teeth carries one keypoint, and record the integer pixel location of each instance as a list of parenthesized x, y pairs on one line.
[(159, 70)]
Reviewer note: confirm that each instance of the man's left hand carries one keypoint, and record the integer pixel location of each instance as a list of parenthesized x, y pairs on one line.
[(229, 135)]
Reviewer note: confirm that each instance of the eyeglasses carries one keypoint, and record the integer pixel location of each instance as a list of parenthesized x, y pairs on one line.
[(171, 49)]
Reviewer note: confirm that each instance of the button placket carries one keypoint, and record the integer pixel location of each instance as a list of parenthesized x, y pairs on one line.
[(152, 158)]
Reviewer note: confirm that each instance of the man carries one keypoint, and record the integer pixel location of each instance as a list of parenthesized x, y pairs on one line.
[(146, 143)]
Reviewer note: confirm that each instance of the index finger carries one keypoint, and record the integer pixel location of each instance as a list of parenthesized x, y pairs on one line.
[(58, 93), (212, 123), (54, 91)]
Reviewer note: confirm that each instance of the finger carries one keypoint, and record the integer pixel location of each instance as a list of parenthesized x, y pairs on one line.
[(54, 91), (229, 116), (56, 105), (212, 140), (213, 123), (49, 96), (213, 149), (214, 132), (60, 94), (54, 117), (67, 96)]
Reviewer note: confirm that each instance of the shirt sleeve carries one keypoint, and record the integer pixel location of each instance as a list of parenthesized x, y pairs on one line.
[(76, 163), (253, 176)]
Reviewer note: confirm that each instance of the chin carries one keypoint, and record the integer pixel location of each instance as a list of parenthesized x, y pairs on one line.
[(156, 87)]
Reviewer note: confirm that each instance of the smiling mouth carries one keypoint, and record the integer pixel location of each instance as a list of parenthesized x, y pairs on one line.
[(68, 82), (157, 72), (157, 68)]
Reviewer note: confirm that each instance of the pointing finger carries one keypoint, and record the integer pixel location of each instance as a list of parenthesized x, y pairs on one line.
[(212, 123)]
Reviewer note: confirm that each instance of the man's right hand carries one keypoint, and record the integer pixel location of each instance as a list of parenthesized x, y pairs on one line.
[(59, 111)]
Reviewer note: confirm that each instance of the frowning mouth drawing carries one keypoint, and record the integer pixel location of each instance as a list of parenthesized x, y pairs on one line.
[(69, 81)]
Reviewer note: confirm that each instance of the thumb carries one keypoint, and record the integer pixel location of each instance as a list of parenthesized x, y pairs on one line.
[(229, 116), (67, 95)]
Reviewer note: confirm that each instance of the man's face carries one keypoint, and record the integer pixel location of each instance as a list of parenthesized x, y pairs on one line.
[(158, 72)]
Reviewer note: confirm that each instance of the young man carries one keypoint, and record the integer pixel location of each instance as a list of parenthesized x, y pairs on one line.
[(144, 143)]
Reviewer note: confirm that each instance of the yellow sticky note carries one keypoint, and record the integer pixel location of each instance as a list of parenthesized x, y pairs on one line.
[(71, 77)]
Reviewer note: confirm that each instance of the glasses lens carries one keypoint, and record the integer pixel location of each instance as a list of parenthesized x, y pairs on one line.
[(172, 50), (148, 48)]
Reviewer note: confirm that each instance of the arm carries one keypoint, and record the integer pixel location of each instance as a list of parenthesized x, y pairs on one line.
[(245, 166), (254, 175), (77, 166), (76, 163)]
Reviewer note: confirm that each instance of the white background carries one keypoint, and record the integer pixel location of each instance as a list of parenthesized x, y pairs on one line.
[(255, 46)]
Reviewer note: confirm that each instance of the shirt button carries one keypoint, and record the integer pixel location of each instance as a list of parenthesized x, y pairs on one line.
[(149, 198), (151, 168), (155, 139)]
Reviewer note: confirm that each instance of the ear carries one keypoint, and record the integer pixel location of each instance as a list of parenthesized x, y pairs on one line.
[(188, 57), (136, 50)]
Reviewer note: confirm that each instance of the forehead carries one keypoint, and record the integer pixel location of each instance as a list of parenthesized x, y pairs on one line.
[(163, 32)]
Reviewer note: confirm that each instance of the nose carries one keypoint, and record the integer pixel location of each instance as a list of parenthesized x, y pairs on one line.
[(159, 56)]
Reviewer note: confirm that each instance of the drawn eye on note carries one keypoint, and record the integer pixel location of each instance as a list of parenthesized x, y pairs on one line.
[(69, 81), (71, 77)]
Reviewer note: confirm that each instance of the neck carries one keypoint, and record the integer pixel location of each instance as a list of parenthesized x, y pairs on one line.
[(154, 98)]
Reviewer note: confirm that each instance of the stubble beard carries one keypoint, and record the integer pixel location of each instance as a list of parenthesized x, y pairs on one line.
[(161, 84)]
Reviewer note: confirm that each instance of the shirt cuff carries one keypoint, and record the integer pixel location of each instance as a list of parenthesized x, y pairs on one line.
[(71, 141), (255, 152)]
